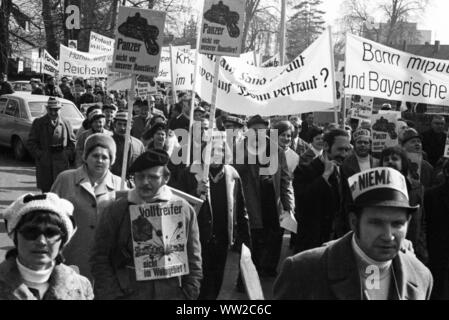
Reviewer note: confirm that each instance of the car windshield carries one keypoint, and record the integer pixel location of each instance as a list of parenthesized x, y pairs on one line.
[(68, 111)]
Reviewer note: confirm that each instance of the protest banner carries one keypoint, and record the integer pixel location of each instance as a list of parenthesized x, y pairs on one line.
[(361, 107), (99, 44), (379, 71), (138, 41), (80, 64), (165, 66), (384, 131), (49, 64), (274, 61), (159, 240), (222, 27)]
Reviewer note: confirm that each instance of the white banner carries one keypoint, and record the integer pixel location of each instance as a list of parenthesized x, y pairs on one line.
[(304, 85), (379, 71), (274, 61), (222, 27), (138, 41), (76, 63), (49, 64), (99, 44)]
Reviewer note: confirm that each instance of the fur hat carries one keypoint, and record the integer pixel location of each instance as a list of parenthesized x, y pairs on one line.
[(102, 140), (41, 202)]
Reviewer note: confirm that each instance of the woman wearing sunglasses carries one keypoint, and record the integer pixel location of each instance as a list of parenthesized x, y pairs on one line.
[(40, 227)]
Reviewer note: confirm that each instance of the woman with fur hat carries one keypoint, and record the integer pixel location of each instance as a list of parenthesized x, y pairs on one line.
[(40, 226), (90, 188)]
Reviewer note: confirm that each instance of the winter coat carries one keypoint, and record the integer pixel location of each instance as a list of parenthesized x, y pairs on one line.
[(50, 162), (112, 255), (436, 203), (351, 166), (64, 284), (89, 203), (331, 273)]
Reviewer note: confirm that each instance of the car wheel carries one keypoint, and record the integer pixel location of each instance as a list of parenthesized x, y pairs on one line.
[(19, 149)]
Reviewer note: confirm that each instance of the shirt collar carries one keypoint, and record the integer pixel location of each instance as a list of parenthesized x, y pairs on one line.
[(163, 194)]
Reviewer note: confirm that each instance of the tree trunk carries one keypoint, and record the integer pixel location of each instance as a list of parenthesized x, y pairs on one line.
[(52, 45), (5, 12)]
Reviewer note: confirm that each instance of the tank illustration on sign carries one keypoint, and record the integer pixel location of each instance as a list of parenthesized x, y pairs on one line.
[(220, 13), (138, 28), (383, 125)]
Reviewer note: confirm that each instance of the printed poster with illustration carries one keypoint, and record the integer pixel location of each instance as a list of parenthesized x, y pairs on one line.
[(222, 27), (384, 131), (159, 240), (361, 107)]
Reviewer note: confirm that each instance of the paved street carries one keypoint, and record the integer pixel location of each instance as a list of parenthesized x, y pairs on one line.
[(17, 178)]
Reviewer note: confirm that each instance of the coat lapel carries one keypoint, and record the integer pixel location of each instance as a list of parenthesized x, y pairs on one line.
[(405, 279), (342, 270), (9, 274)]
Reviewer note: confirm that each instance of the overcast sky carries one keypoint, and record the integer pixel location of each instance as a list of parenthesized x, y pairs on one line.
[(435, 18)]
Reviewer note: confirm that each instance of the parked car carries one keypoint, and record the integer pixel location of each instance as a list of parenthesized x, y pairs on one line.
[(17, 112), (21, 86)]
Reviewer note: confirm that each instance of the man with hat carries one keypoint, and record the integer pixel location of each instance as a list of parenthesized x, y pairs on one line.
[(51, 89), (298, 144), (361, 158), (419, 169), (51, 142), (267, 190), (119, 272), (136, 147), (368, 263), (141, 121), (199, 113), (97, 120), (109, 110)]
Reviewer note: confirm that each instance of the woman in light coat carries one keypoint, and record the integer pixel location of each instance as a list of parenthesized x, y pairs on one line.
[(90, 188)]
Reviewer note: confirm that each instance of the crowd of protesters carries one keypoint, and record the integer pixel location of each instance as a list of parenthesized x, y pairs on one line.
[(302, 170)]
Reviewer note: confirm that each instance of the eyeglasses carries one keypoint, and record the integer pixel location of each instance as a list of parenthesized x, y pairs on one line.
[(31, 233), (151, 177)]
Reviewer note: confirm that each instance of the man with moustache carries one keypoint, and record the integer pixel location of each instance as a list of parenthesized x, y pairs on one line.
[(322, 194), (368, 263), (361, 159)]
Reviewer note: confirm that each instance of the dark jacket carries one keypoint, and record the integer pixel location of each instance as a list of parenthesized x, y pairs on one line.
[(5, 87), (433, 144), (351, 166), (66, 92), (320, 208), (238, 225), (50, 161), (331, 273), (181, 122), (64, 284), (436, 202), (112, 256), (136, 148)]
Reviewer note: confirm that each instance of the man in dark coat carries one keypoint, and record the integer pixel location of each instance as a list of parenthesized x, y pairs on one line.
[(66, 90), (436, 202), (434, 140), (322, 194), (5, 86), (52, 144), (368, 263), (361, 158)]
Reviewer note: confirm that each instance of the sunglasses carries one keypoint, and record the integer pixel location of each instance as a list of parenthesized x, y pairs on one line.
[(51, 233)]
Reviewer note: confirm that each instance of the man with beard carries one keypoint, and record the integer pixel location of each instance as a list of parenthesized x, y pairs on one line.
[(369, 262), (361, 159), (322, 194), (136, 147)]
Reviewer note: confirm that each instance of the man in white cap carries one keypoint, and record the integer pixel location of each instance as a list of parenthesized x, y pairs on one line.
[(361, 158), (368, 263), (51, 142)]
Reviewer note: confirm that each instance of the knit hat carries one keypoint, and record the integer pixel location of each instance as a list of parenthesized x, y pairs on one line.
[(110, 106), (41, 202), (380, 187), (149, 159), (53, 103), (409, 134), (102, 140), (122, 116), (361, 133)]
